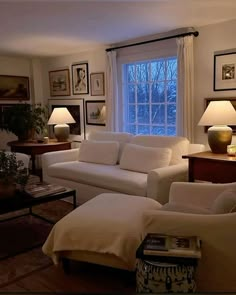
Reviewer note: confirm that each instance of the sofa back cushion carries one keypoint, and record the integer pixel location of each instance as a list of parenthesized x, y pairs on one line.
[(178, 145), (99, 152), (225, 202), (144, 159), (121, 137)]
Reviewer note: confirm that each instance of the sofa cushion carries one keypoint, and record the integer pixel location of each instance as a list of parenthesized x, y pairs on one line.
[(178, 145), (225, 202), (107, 224), (176, 207), (104, 176), (100, 152), (143, 159), (121, 137)]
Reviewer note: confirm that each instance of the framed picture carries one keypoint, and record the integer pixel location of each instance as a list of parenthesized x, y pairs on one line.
[(80, 80), (231, 99), (59, 81), (14, 87), (97, 84), (95, 112), (225, 71), (76, 108)]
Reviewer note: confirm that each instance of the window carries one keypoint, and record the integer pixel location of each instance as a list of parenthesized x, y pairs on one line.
[(149, 91)]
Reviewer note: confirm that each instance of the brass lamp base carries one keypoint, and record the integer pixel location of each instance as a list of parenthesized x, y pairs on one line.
[(219, 137)]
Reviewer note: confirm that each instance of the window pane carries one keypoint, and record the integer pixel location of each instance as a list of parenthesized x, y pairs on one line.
[(131, 114), (158, 70), (158, 130), (131, 73), (158, 114), (143, 129), (171, 114), (172, 69), (143, 113), (171, 91), (131, 93), (150, 96), (143, 93), (158, 92), (171, 131), (142, 72)]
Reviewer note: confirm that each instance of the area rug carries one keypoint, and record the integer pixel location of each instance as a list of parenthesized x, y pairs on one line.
[(20, 235)]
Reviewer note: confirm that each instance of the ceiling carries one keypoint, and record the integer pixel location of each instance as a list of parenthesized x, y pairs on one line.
[(57, 27)]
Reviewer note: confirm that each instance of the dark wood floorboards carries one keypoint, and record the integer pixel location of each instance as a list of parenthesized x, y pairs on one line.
[(83, 278)]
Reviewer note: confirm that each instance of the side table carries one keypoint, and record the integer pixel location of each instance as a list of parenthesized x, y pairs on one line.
[(207, 166), (34, 148)]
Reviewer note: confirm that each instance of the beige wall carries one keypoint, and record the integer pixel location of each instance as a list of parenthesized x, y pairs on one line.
[(212, 38)]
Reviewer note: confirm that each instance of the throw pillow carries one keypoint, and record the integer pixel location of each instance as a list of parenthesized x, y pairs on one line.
[(143, 159), (99, 152), (225, 202), (184, 208)]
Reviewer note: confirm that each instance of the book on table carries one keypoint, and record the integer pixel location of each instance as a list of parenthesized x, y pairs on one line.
[(43, 189), (171, 246)]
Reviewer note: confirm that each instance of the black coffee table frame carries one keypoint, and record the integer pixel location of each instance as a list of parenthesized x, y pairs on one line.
[(23, 200)]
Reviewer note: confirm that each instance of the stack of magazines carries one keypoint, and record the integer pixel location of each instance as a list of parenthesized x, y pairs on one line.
[(43, 189), (167, 247)]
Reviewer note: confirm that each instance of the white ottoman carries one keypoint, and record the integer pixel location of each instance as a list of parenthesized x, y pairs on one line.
[(106, 230)]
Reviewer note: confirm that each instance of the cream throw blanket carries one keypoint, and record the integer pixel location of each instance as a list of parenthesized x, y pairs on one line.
[(108, 223)]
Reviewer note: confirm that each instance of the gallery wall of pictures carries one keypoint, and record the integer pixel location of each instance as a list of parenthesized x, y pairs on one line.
[(83, 82)]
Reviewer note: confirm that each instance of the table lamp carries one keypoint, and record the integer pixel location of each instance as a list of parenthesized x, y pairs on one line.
[(218, 115), (61, 117)]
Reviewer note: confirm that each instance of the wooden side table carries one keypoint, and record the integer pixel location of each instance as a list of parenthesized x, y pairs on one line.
[(34, 148), (207, 166)]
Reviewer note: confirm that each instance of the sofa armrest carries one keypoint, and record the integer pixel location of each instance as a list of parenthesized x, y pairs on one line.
[(58, 157), (159, 181), (216, 268), (196, 194)]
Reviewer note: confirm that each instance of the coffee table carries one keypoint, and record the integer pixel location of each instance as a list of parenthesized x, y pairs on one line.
[(23, 200)]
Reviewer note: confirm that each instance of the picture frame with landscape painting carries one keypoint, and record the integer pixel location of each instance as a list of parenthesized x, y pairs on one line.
[(14, 88), (95, 112), (59, 81)]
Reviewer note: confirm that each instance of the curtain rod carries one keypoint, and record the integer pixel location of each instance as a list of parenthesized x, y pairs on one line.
[(154, 40)]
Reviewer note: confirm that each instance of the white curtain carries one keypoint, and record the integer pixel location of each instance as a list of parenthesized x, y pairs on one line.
[(112, 121), (185, 87)]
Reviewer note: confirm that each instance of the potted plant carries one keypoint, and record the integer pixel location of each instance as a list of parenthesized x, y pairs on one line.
[(13, 174), (25, 119)]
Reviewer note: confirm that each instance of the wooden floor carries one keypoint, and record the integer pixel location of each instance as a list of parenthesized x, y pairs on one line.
[(83, 278)]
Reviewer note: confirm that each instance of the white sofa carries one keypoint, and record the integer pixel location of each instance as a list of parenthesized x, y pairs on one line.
[(91, 179)]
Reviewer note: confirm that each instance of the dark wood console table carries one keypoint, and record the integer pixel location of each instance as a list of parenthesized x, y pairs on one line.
[(207, 166), (34, 148)]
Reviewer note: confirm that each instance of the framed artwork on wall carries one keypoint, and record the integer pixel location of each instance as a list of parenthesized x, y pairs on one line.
[(225, 71), (97, 84), (59, 81), (14, 88), (76, 109), (95, 112), (80, 79), (231, 99)]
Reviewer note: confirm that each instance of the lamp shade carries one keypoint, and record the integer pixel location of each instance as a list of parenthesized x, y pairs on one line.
[(218, 115), (60, 116), (220, 112)]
